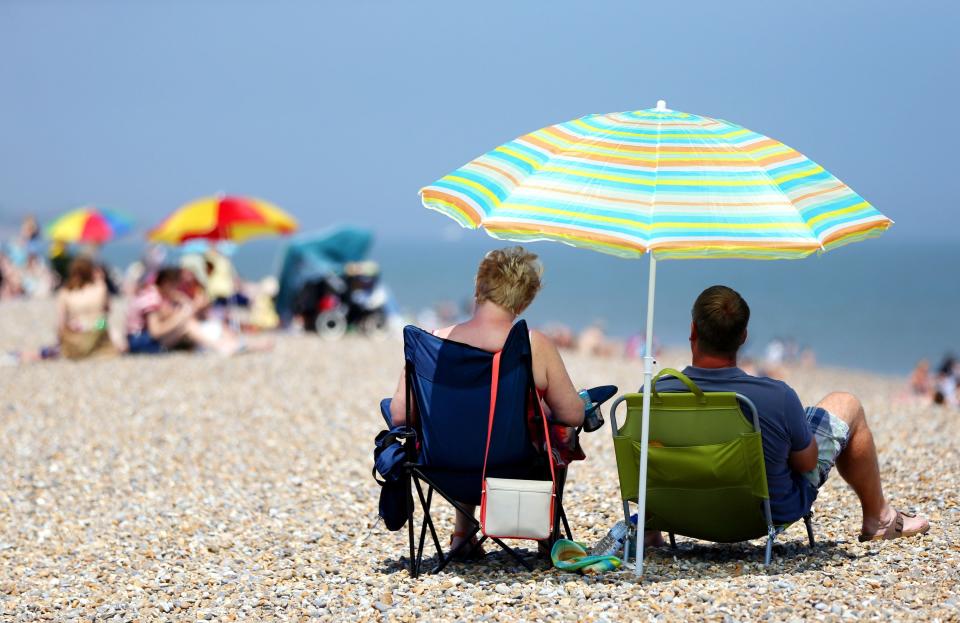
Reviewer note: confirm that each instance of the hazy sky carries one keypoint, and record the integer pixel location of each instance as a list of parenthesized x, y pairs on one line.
[(342, 111)]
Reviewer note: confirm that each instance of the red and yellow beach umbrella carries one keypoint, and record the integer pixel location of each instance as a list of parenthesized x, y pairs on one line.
[(89, 225), (223, 218)]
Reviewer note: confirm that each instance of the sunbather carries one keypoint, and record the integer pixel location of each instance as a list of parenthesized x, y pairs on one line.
[(800, 445), (83, 305), (506, 283), (162, 317)]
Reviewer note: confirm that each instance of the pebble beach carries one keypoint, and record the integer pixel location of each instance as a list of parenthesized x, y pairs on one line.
[(189, 487)]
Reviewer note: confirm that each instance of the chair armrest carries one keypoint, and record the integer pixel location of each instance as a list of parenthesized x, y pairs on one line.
[(400, 433), (405, 432), (614, 426)]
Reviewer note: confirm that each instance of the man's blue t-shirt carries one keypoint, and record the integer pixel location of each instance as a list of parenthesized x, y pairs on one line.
[(783, 426)]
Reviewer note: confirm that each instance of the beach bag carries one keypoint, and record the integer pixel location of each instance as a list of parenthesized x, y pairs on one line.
[(388, 458), (513, 508)]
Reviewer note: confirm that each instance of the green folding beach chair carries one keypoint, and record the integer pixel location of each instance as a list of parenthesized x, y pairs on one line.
[(705, 472)]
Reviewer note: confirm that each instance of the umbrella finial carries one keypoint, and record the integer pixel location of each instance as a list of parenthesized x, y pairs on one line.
[(661, 106)]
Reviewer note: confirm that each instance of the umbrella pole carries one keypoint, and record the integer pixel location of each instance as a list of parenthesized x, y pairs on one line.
[(645, 422)]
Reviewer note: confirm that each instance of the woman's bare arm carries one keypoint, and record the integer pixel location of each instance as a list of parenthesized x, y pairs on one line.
[(561, 396), (398, 406)]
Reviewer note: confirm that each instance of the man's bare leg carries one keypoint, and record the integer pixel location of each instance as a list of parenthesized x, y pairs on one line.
[(858, 465)]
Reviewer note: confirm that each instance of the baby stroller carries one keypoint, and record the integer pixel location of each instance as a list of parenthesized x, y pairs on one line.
[(334, 303), (367, 298), (324, 281)]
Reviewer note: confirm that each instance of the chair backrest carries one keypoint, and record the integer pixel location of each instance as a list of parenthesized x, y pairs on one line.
[(706, 476), (450, 383)]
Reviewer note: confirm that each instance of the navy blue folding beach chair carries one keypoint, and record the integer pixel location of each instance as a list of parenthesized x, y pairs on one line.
[(450, 384)]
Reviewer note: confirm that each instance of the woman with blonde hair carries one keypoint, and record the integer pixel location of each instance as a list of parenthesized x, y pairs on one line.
[(506, 283), (83, 305)]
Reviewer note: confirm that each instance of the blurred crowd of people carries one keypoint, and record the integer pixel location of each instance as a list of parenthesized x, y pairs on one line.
[(24, 270), (198, 303), (592, 340), (780, 355), (937, 386)]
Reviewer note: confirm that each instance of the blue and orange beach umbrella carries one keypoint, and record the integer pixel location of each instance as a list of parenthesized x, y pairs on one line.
[(659, 182), (89, 225), (223, 218)]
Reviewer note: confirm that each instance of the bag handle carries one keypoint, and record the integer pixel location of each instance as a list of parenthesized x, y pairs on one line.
[(493, 407), (680, 376)]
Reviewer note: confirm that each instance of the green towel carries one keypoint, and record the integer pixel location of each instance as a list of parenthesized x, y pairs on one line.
[(572, 556)]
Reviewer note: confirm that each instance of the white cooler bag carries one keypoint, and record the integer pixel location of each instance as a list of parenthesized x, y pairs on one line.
[(520, 509), (512, 508)]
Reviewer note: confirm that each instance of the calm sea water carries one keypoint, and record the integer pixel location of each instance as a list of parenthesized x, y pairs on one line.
[(880, 305)]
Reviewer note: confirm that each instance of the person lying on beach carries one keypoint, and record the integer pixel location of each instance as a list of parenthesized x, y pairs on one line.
[(800, 445), (507, 282), (162, 317), (83, 305)]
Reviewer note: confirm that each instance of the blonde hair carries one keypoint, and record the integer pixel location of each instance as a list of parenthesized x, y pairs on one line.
[(509, 278)]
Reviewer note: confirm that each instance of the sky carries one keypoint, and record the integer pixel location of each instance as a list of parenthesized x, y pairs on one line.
[(341, 112)]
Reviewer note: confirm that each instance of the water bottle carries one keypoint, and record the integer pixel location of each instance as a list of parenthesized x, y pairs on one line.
[(592, 420), (612, 543)]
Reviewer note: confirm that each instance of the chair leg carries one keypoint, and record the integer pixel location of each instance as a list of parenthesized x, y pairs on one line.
[(771, 536), (445, 560), (626, 542), (513, 553), (475, 526), (561, 512), (808, 521), (409, 498), (673, 540), (426, 523), (423, 534), (557, 514), (566, 525)]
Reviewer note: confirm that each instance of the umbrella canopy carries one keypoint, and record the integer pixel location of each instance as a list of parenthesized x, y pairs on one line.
[(309, 256), (223, 218), (89, 225), (676, 184), (669, 183)]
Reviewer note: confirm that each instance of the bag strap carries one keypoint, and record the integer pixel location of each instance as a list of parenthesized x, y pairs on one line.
[(494, 382), (493, 407)]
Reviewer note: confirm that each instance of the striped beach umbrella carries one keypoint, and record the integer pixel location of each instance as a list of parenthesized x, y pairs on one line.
[(676, 184), (223, 218), (89, 225), (659, 182)]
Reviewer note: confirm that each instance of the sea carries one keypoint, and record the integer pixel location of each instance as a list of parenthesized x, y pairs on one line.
[(880, 305)]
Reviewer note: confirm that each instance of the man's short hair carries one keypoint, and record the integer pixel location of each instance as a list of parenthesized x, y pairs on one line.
[(720, 316)]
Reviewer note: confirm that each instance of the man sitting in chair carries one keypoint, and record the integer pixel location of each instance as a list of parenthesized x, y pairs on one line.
[(800, 445)]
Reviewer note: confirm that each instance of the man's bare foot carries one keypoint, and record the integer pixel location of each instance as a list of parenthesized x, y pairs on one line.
[(893, 525), (653, 538)]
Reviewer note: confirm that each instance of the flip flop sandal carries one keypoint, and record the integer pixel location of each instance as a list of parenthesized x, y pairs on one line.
[(894, 530), (572, 556), (469, 552)]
